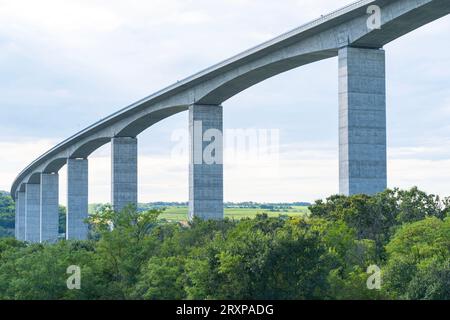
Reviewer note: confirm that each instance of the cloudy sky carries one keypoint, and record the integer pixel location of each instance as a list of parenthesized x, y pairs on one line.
[(64, 64)]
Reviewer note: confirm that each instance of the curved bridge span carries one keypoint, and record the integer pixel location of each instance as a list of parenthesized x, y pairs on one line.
[(355, 33)]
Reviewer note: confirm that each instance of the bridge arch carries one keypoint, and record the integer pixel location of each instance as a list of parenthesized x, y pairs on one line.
[(34, 178), (84, 150), (55, 165), (136, 126), (244, 78)]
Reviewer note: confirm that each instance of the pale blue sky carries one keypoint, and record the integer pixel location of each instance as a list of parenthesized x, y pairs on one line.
[(64, 64)]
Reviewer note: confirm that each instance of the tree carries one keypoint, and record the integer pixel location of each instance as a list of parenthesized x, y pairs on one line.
[(7, 215), (351, 286), (134, 255), (378, 217), (39, 272), (349, 259), (431, 282), (125, 245), (415, 205), (264, 258), (162, 278), (418, 260)]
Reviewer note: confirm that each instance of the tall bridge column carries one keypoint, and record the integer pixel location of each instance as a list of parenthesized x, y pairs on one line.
[(77, 199), (124, 172), (32, 212), (49, 207), (20, 222), (206, 162), (362, 121)]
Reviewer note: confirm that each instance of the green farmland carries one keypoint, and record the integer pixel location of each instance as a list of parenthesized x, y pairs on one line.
[(179, 213)]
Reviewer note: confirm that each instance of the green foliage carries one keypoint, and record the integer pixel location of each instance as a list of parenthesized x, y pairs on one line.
[(351, 286), (39, 272), (136, 255), (162, 278), (377, 218), (124, 245), (419, 259), (7, 215), (263, 258), (431, 282)]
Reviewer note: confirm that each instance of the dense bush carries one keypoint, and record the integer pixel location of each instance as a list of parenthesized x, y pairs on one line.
[(7, 215), (323, 256)]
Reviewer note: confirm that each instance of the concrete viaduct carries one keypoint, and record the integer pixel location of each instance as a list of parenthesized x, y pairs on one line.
[(350, 33)]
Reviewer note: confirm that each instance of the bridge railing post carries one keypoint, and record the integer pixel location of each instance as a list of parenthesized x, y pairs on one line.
[(362, 121), (206, 162)]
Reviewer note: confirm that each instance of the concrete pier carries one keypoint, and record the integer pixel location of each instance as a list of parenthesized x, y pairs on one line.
[(124, 177), (206, 162), (362, 121), (49, 208), (77, 199), (20, 223), (32, 212)]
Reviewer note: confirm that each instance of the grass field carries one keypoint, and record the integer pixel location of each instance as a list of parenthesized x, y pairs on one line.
[(180, 213)]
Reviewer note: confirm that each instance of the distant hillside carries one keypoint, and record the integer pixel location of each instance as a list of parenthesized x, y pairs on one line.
[(250, 204), (274, 207), (7, 210)]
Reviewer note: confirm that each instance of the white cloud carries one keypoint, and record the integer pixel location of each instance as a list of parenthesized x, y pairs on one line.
[(15, 156), (432, 176), (148, 43)]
